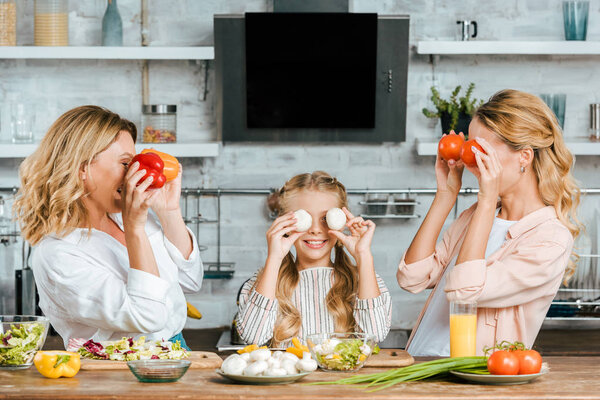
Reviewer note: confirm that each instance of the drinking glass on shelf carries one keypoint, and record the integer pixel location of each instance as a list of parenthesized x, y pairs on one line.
[(22, 123), (575, 17), (557, 103), (463, 328)]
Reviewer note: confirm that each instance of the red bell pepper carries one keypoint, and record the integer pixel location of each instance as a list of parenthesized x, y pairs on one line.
[(153, 165), (171, 165)]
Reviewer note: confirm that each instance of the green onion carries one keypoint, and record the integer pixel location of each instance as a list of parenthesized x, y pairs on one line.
[(416, 372)]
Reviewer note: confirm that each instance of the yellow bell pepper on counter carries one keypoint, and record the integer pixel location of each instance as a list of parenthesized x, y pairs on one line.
[(297, 348), (55, 364)]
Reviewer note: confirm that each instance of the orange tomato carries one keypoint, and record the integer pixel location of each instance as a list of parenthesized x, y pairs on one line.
[(503, 362), (530, 361), (171, 168), (466, 153)]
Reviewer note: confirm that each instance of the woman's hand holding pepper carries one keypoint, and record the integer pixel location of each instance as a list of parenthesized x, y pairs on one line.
[(135, 199)]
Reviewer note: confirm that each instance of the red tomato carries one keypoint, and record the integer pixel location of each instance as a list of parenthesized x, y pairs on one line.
[(530, 361), (467, 155), (503, 362), (449, 146)]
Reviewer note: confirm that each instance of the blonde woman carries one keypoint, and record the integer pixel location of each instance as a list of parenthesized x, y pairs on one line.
[(104, 266), (509, 251), (311, 293)]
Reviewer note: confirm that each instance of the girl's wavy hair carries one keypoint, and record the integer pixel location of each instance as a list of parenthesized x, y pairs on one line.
[(340, 298), (523, 120), (50, 200)]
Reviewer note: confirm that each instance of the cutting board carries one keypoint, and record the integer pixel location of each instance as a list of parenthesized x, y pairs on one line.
[(390, 358), (199, 359)]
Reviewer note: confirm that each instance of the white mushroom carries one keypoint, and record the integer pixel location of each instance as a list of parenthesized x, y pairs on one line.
[(234, 365), (289, 356), (276, 355), (245, 357), (275, 372), (260, 355), (289, 366), (307, 364), (256, 368), (304, 220), (274, 363), (336, 219)]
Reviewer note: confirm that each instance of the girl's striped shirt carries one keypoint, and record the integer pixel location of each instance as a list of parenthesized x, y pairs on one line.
[(257, 314)]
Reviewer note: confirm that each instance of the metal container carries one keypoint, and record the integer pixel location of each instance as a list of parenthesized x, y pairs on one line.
[(159, 123)]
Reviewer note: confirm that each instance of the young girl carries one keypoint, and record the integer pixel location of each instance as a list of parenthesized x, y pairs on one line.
[(311, 293), (508, 256)]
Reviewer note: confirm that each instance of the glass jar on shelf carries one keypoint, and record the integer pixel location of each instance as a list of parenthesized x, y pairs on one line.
[(51, 23), (159, 123), (8, 23)]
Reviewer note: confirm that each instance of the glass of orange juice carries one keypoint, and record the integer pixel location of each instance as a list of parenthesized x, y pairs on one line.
[(463, 328)]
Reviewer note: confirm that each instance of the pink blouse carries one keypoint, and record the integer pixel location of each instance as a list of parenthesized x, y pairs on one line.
[(513, 287)]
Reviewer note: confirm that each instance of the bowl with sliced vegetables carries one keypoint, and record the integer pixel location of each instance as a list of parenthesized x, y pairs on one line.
[(21, 336), (341, 351)]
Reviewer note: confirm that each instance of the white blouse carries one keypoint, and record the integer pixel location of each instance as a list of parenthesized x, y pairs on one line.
[(433, 333), (88, 290)]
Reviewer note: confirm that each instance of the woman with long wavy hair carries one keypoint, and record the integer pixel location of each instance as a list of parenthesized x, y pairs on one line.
[(508, 252), (311, 293), (105, 267)]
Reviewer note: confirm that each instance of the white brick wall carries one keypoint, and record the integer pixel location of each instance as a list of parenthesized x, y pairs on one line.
[(55, 86)]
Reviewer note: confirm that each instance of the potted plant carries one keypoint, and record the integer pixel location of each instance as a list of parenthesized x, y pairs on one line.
[(455, 113)]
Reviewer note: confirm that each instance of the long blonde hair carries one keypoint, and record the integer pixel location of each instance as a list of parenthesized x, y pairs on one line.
[(340, 298), (523, 120), (50, 199)]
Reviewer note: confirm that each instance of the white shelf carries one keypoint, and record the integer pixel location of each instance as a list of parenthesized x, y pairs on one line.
[(211, 149), (577, 147), (509, 47), (108, 53)]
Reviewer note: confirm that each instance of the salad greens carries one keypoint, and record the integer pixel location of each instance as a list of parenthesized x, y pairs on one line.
[(343, 355), (128, 349), (20, 343)]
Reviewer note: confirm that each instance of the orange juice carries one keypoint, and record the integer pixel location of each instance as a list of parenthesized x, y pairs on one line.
[(463, 331)]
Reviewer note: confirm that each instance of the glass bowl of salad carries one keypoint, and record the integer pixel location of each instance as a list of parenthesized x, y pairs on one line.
[(21, 336), (341, 351)]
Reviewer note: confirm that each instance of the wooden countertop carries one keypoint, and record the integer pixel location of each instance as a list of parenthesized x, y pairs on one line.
[(569, 378)]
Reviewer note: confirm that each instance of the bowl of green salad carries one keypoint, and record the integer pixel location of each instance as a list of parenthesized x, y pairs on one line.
[(341, 351), (21, 336)]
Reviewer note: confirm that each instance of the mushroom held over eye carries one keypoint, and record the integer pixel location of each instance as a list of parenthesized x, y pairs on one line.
[(336, 219), (304, 220)]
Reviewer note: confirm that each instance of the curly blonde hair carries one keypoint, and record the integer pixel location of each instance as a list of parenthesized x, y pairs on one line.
[(50, 199), (523, 120), (341, 296)]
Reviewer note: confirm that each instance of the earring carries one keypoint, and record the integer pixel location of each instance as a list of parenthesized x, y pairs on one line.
[(522, 169)]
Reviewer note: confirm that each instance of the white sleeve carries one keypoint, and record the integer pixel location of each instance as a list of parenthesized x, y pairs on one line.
[(190, 270), (82, 290)]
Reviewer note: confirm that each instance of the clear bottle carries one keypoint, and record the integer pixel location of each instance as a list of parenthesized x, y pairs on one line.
[(51, 23), (8, 23), (159, 123), (112, 26)]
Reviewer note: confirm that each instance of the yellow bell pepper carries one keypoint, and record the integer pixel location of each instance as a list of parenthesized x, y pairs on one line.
[(295, 351), (297, 344), (250, 348), (54, 364)]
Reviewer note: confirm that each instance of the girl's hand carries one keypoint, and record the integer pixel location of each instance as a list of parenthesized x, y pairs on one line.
[(448, 174), (280, 238), (167, 199), (135, 199), (361, 234), (488, 172)]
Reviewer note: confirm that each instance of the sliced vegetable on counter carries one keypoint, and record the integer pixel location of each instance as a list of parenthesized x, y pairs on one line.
[(57, 364), (128, 349), (342, 352)]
